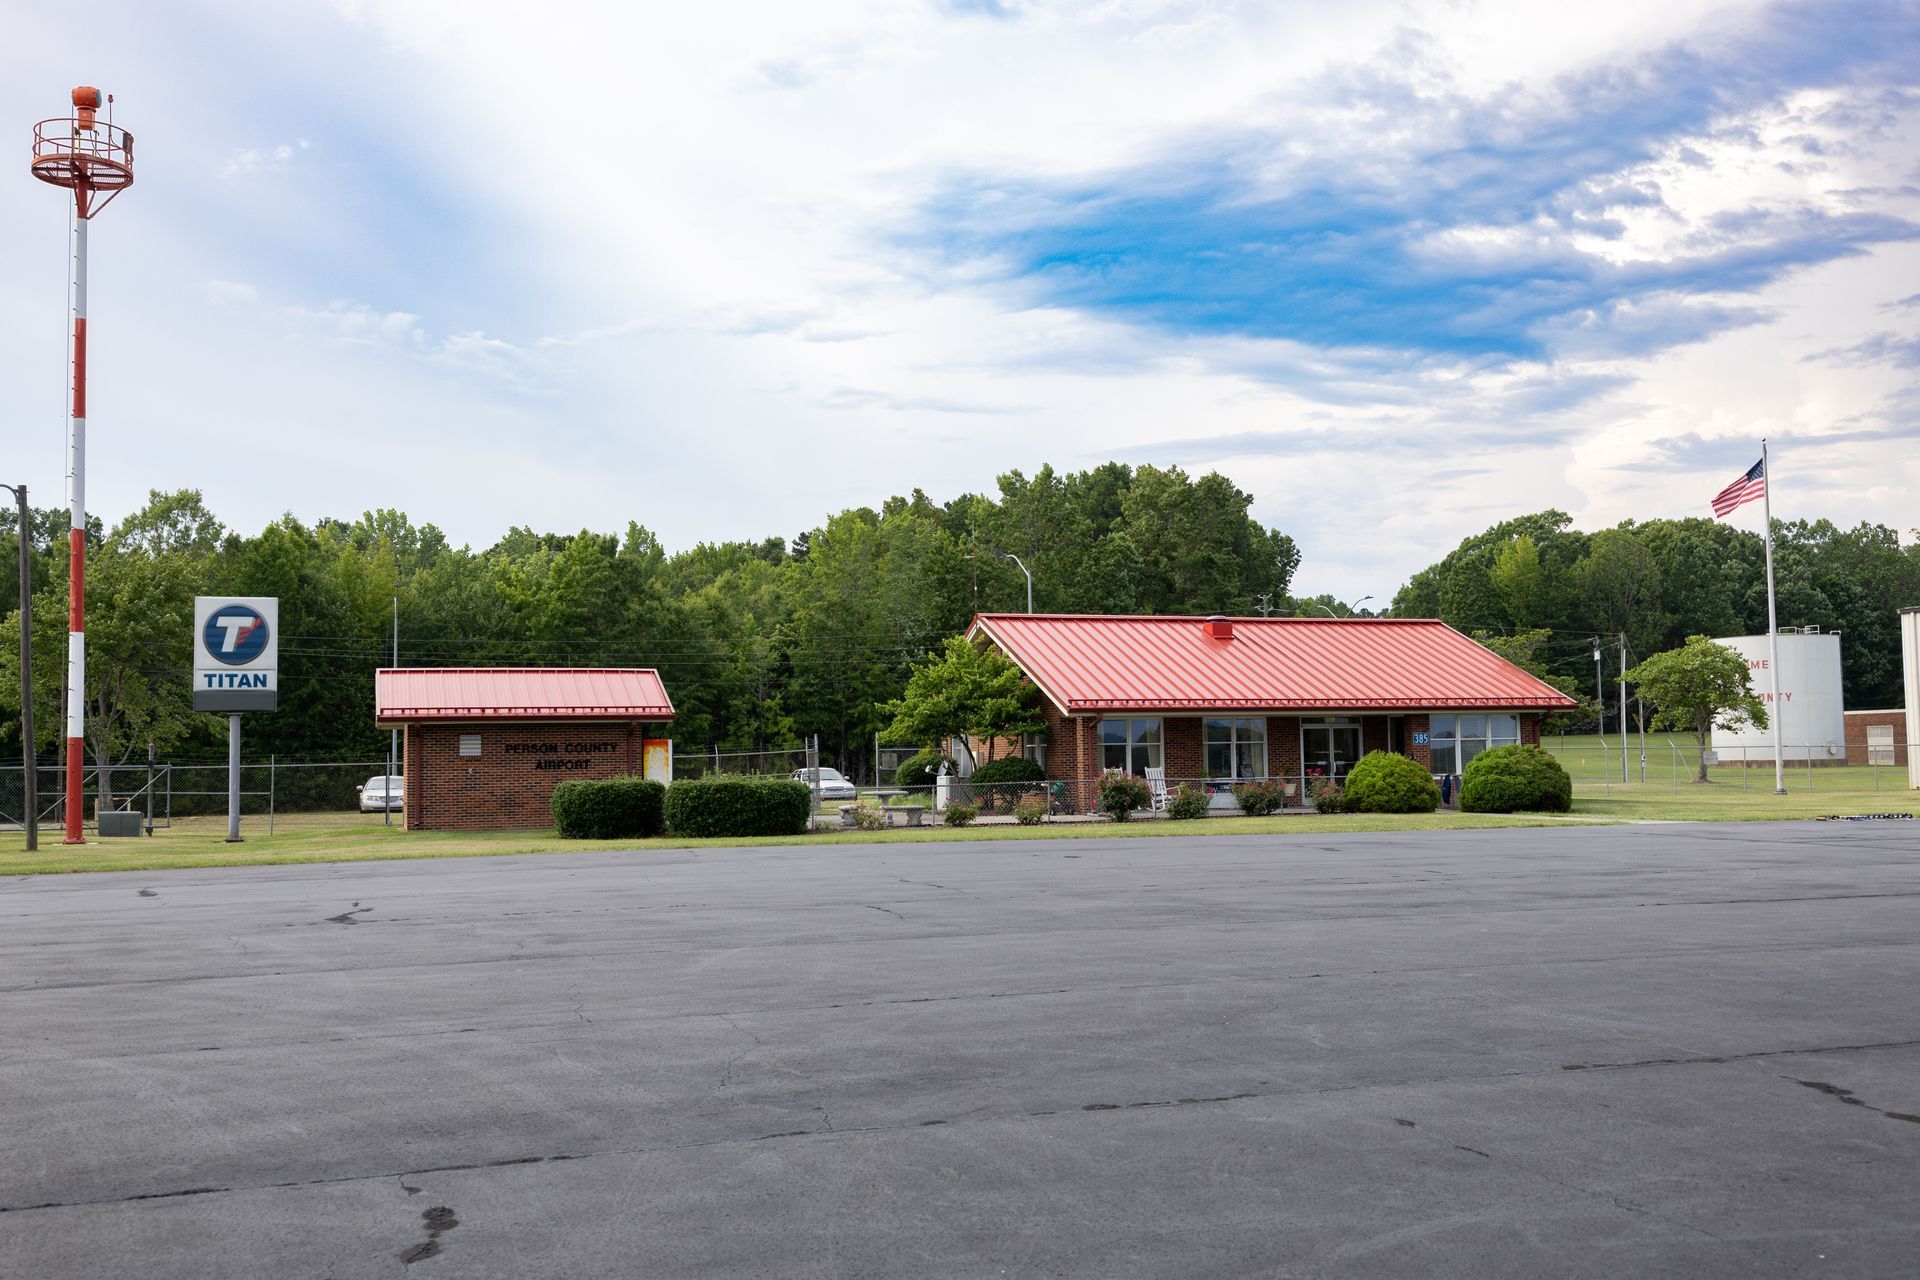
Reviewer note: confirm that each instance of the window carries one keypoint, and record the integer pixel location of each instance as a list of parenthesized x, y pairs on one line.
[(1236, 748), (1034, 747), (1458, 739), (469, 744), (1132, 746)]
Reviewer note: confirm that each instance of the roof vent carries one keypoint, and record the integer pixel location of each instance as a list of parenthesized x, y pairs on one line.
[(1219, 627)]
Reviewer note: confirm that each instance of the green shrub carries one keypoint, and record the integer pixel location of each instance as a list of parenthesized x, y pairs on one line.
[(1005, 780), (1008, 769), (1327, 796), (1258, 799), (1185, 802), (1119, 794), (917, 772), (609, 809), (1384, 782), (1030, 812), (868, 818), (959, 815), (1509, 779), (730, 806)]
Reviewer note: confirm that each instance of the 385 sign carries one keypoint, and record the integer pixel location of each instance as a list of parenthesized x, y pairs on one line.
[(236, 653)]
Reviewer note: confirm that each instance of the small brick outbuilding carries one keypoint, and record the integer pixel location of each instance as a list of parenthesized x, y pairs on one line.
[(484, 747)]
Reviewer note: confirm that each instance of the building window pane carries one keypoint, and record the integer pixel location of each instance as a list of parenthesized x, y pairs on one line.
[(1444, 758), (1442, 727), (1503, 730), (1253, 758), (1219, 759), (1473, 726), (1130, 745)]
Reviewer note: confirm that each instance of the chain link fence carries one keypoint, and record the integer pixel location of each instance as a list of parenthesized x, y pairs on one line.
[(1598, 765), (167, 790)]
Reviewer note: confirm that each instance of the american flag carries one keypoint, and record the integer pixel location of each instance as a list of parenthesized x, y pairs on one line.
[(1748, 487)]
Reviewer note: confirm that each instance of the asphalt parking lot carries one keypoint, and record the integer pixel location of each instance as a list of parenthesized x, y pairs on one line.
[(1630, 1051)]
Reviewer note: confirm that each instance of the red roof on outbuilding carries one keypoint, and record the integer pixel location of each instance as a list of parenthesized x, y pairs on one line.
[(519, 693), (1091, 663)]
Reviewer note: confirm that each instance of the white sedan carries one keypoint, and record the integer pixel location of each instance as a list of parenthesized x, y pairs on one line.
[(833, 784), (382, 792)]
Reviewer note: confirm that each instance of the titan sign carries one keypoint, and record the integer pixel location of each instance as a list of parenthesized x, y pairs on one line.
[(236, 653)]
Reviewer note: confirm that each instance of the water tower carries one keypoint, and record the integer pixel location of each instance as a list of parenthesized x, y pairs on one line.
[(93, 158)]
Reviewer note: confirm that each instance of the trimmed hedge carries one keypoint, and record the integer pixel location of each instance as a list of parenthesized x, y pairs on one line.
[(1510, 779), (917, 772), (725, 806), (609, 809), (1383, 782), (1007, 769)]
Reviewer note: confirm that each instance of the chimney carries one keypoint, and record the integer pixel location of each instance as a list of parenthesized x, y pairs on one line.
[(1219, 628)]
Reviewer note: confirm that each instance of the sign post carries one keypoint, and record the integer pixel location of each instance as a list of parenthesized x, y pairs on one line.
[(236, 668)]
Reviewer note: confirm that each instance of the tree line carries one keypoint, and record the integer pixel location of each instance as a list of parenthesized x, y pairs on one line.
[(758, 642), (1542, 591)]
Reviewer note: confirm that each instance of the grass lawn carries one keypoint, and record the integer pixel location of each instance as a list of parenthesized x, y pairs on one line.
[(1673, 758), (331, 837), (1724, 801)]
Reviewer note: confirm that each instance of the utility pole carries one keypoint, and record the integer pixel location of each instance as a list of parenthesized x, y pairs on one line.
[(393, 735), (1266, 604), (1623, 707), (29, 778), (1600, 691)]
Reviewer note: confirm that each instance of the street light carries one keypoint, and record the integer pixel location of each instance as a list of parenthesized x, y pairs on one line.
[(1008, 555), (1356, 604), (1023, 568), (29, 777)]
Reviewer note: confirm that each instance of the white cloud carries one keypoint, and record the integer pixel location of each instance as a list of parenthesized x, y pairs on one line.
[(595, 258)]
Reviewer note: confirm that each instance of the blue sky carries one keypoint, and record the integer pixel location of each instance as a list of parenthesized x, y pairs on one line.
[(1399, 269)]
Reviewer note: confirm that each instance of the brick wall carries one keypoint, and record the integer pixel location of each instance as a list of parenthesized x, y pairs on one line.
[(509, 785), (1857, 722)]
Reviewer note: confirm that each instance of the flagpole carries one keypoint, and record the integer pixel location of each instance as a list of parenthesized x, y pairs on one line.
[(1773, 628)]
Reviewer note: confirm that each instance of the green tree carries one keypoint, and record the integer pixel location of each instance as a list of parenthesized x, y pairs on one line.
[(1698, 687), (964, 690), (1528, 651)]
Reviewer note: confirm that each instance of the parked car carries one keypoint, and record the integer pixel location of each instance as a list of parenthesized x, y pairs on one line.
[(382, 792), (833, 784)]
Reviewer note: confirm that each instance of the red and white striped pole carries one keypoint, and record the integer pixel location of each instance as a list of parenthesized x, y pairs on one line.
[(94, 160), (77, 544)]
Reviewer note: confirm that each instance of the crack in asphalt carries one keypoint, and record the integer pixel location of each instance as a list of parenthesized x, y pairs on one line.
[(1847, 1096), (1738, 1057), (1531, 963)]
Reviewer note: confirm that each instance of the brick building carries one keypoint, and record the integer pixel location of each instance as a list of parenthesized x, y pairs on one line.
[(1877, 737), (485, 747), (1219, 700)]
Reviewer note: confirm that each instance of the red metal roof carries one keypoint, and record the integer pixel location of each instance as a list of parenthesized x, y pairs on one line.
[(501, 693), (1090, 663)]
